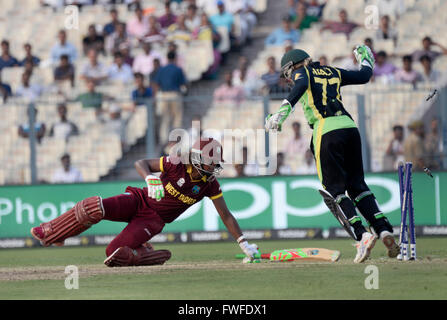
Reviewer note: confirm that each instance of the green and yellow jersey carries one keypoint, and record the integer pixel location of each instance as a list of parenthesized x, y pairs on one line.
[(317, 88)]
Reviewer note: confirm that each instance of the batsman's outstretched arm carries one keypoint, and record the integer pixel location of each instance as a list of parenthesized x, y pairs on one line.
[(146, 167), (250, 250)]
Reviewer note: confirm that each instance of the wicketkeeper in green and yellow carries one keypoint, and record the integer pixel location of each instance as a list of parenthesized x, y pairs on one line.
[(336, 143)]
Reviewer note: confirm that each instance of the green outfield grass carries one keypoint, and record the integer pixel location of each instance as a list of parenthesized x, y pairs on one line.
[(209, 271)]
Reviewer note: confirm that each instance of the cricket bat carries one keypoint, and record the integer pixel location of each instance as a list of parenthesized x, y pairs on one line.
[(302, 254)]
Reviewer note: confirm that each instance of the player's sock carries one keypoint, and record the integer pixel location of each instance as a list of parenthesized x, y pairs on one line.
[(367, 205)]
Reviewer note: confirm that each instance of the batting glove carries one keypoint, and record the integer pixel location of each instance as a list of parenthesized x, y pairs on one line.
[(364, 56), (155, 189), (275, 121), (250, 250)]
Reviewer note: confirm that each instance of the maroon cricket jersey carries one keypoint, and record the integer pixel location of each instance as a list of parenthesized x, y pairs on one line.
[(181, 191)]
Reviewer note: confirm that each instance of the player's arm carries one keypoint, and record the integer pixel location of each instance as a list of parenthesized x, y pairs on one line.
[(301, 84), (232, 226), (146, 168), (365, 58)]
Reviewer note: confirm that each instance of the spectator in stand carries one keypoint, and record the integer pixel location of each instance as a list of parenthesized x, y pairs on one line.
[(180, 58), (55, 4), (132, 5), (39, 127), (229, 93), (29, 57), (91, 98), (169, 84), (94, 70), (315, 8), (248, 81), (142, 92), (323, 60), (207, 32), (282, 169), (286, 33), (6, 59), (427, 44), (272, 78), (124, 49), (383, 68), (395, 151), (343, 26), (144, 62), (138, 26), (110, 27), (414, 146), (63, 48), (239, 170), (117, 124), (120, 72), (93, 40), (192, 18), (243, 66), (433, 144), (308, 167), (243, 9), (386, 32), (407, 74), (26, 90), (223, 18), (153, 74), (429, 75), (155, 32), (393, 8), (64, 129), (302, 20), (179, 30), (5, 90), (297, 145), (168, 18), (117, 38), (68, 173), (65, 71)]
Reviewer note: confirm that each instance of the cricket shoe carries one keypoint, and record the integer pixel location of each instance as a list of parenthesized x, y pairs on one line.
[(390, 244), (364, 247), (39, 234)]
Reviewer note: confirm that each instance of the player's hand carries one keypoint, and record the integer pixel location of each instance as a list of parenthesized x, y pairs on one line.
[(250, 250), (275, 121), (364, 56), (155, 189)]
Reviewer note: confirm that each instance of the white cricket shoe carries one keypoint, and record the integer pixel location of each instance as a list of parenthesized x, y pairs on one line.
[(364, 247), (390, 244)]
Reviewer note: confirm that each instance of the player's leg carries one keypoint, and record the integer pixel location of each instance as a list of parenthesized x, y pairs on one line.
[(85, 214), (73, 222), (130, 247), (364, 199), (329, 158)]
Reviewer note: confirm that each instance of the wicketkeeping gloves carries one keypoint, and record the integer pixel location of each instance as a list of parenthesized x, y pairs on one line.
[(364, 56), (155, 187), (275, 121)]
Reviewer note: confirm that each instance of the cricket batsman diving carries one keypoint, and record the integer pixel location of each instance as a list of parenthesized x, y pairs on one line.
[(147, 210), (336, 144)]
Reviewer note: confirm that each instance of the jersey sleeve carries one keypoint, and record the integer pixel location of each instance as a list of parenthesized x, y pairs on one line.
[(214, 191), (167, 164), (355, 77), (301, 81)]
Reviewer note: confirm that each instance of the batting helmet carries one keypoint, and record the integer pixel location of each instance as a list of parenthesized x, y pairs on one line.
[(290, 59), (207, 151)]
